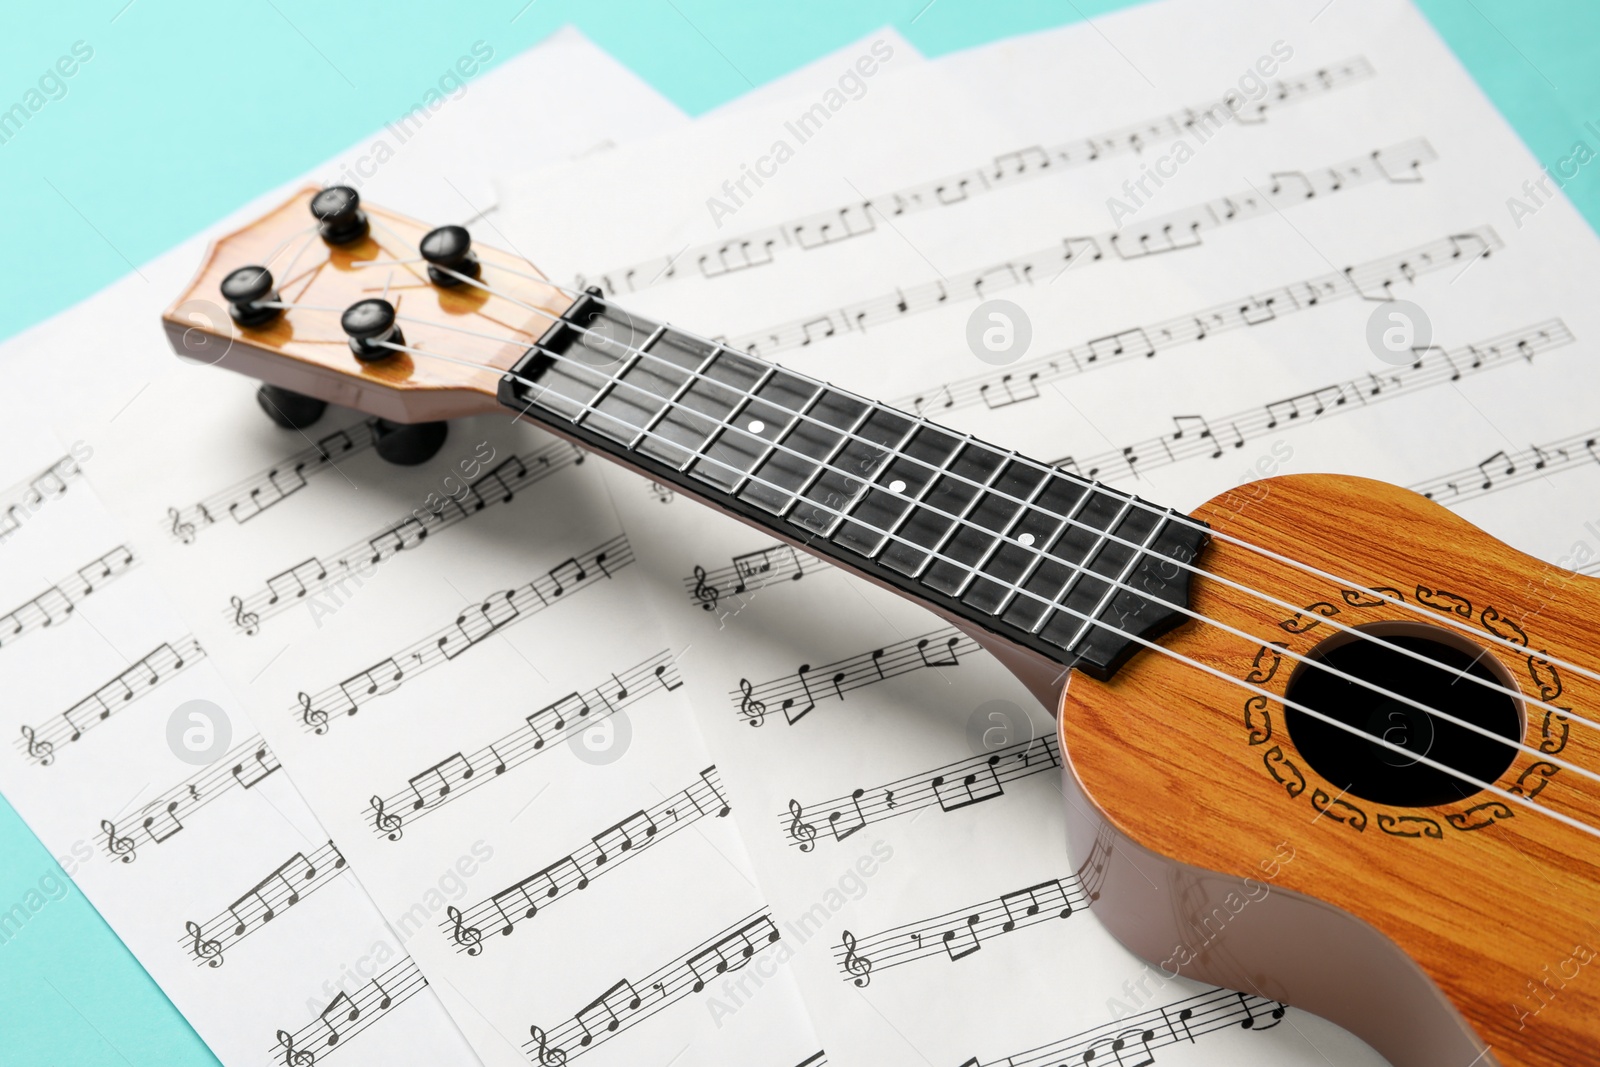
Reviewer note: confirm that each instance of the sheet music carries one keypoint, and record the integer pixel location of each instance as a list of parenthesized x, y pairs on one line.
[(862, 259), (247, 503), (218, 877)]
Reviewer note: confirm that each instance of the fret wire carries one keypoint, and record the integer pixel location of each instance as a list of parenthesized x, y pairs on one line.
[(678, 393), (961, 519), (616, 379), (745, 400), (1122, 578), (772, 447), (942, 469), (827, 461), (1042, 555), (1000, 538), (867, 483), (1083, 570)]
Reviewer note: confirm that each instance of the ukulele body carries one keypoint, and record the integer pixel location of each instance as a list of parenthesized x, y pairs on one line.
[(1216, 850)]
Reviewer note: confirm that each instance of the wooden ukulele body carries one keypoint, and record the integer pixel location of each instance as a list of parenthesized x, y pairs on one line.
[(1431, 932)]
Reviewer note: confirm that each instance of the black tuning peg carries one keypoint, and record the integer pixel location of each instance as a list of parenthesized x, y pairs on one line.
[(408, 445), (340, 219), (370, 325), (292, 411), (244, 289), (449, 247)]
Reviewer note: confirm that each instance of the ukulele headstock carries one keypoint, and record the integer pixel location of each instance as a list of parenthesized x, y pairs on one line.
[(357, 252)]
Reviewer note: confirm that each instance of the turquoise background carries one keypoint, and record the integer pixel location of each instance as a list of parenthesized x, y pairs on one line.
[(189, 108)]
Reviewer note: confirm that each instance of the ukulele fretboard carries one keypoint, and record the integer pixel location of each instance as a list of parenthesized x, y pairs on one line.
[(1042, 557)]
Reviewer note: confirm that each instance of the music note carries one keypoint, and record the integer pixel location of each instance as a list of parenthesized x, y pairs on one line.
[(971, 791), (622, 994), (795, 716), (579, 574), (1015, 908), (950, 651), (857, 966), (463, 771), (953, 939), (468, 937), (841, 824), (265, 764), (351, 1009)]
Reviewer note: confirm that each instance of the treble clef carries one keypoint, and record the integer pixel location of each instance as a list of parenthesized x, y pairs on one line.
[(858, 967), (248, 621), (183, 531), (121, 847), (388, 823), (204, 948), (39, 750), (292, 1057), (704, 591), (801, 830), (315, 718), (752, 709), (548, 1057), (466, 936)]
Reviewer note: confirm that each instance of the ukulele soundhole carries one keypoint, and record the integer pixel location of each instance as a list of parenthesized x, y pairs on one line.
[(1369, 770)]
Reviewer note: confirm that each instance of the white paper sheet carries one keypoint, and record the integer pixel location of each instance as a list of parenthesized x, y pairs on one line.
[(330, 957), (1216, 293), (135, 762)]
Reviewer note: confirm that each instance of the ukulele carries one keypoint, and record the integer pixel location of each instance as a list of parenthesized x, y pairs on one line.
[(1329, 746)]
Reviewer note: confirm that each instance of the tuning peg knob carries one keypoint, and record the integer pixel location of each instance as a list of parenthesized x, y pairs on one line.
[(449, 247), (370, 324), (244, 289), (408, 445), (340, 219), (291, 410)]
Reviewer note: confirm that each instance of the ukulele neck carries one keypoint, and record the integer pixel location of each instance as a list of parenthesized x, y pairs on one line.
[(1042, 558)]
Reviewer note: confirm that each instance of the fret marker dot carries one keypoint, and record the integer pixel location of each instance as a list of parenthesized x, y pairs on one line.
[(1026, 540), (897, 486), (756, 426)]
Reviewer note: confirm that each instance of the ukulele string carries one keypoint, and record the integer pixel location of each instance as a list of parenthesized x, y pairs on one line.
[(1078, 524), (1090, 620), (285, 244), (1184, 609), (1149, 508)]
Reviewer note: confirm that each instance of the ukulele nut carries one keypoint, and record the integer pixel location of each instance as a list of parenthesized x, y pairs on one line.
[(244, 289), (449, 248), (371, 327), (340, 219)]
